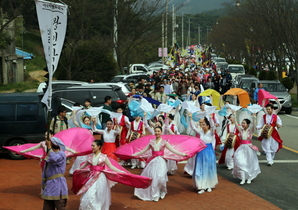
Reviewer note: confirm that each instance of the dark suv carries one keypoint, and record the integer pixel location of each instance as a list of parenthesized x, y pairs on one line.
[(95, 93), (23, 119)]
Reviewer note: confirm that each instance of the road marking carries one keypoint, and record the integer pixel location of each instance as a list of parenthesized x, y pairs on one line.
[(280, 161), (288, 148), (260, 161), (284, 147), (291, 116)]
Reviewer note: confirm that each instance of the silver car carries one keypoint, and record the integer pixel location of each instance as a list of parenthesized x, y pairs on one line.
[(277, 89)]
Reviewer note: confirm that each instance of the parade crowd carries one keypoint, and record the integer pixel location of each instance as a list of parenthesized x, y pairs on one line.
[(171, 103)]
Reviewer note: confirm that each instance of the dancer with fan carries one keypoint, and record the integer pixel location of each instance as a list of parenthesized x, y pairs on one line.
[(156, 168)]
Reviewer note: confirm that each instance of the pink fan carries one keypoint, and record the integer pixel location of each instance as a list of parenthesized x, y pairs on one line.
[(186, 144), (77, 139)]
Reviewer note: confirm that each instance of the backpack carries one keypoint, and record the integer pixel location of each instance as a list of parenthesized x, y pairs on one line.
[(55, 120)]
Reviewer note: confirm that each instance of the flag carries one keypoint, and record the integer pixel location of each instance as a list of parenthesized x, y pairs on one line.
[(52, 19)]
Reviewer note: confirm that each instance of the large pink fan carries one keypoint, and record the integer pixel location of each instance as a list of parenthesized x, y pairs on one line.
[(36, 154), (263, 94), (186, 144), (77, 139)]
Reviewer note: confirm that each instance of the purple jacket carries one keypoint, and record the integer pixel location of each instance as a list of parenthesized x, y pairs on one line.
[(53, 182)]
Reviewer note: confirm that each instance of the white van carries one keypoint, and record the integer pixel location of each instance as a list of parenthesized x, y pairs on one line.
[(235, 69)]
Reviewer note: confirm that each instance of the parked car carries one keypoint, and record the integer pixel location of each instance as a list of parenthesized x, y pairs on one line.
[(139, 68), (221, 65), (236, 69), (60, 84), (95, 93), (277, 89), (238, 77), (158, 66), (128, 78), (245, 83), (124, 86), (219, 59), (23, 119)]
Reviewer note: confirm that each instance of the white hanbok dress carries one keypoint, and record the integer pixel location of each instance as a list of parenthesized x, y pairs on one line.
[(155, 169), (98, 195), (246, 163)]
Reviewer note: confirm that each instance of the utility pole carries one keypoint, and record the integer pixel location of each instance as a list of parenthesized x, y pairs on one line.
[(188, 31), (163, 36), (182, 27), (207, 34), (115, 39), (173, 26), (166, 30), (199, 35)]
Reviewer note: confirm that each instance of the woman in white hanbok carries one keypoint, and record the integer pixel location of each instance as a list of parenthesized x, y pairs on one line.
[(96, 192), (79, 160), (204, 172), (156, 168), (246, 163)]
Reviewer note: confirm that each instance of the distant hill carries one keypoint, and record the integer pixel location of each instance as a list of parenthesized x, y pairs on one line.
[(198, 6)]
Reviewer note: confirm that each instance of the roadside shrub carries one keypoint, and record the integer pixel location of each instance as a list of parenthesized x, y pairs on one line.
[(262, 75), (271, 75), (252, 71), (288, 83)]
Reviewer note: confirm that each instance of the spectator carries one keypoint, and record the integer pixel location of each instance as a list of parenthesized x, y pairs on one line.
[(104, 116), (256, 92), (209, 84), (223, 83), (59, 122), (87, 104)]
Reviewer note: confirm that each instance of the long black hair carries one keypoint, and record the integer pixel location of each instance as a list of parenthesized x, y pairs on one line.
[(98, 142), (207, 122), (247, 121)]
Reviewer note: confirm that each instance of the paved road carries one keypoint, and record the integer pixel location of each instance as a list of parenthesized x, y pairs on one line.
[(20, 184), (278, 183), (20, 188)]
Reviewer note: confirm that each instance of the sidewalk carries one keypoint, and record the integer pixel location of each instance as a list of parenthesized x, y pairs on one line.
[(20, 188)]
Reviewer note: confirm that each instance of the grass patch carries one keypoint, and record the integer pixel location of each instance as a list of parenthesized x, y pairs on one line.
[(32, 44), (294, 100), (20, 86)]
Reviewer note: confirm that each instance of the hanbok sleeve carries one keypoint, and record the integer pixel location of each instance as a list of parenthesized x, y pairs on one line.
[(95, 130), (127, 122), (193, 127), (150, 130), (38, 146), (236, 124), (279, 122), (110, 165), (261, 123), (70, 150), (143, 151), (169, 147)]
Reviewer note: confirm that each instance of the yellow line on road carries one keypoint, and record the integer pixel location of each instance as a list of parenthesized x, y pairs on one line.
[(288, 148)]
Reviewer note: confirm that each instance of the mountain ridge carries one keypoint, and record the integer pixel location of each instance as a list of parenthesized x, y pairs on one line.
[(197, 6)]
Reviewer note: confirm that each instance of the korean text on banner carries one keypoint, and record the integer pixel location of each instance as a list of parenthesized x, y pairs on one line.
[(52, 19)]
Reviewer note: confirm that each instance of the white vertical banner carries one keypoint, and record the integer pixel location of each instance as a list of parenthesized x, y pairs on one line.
[(52, 19)]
